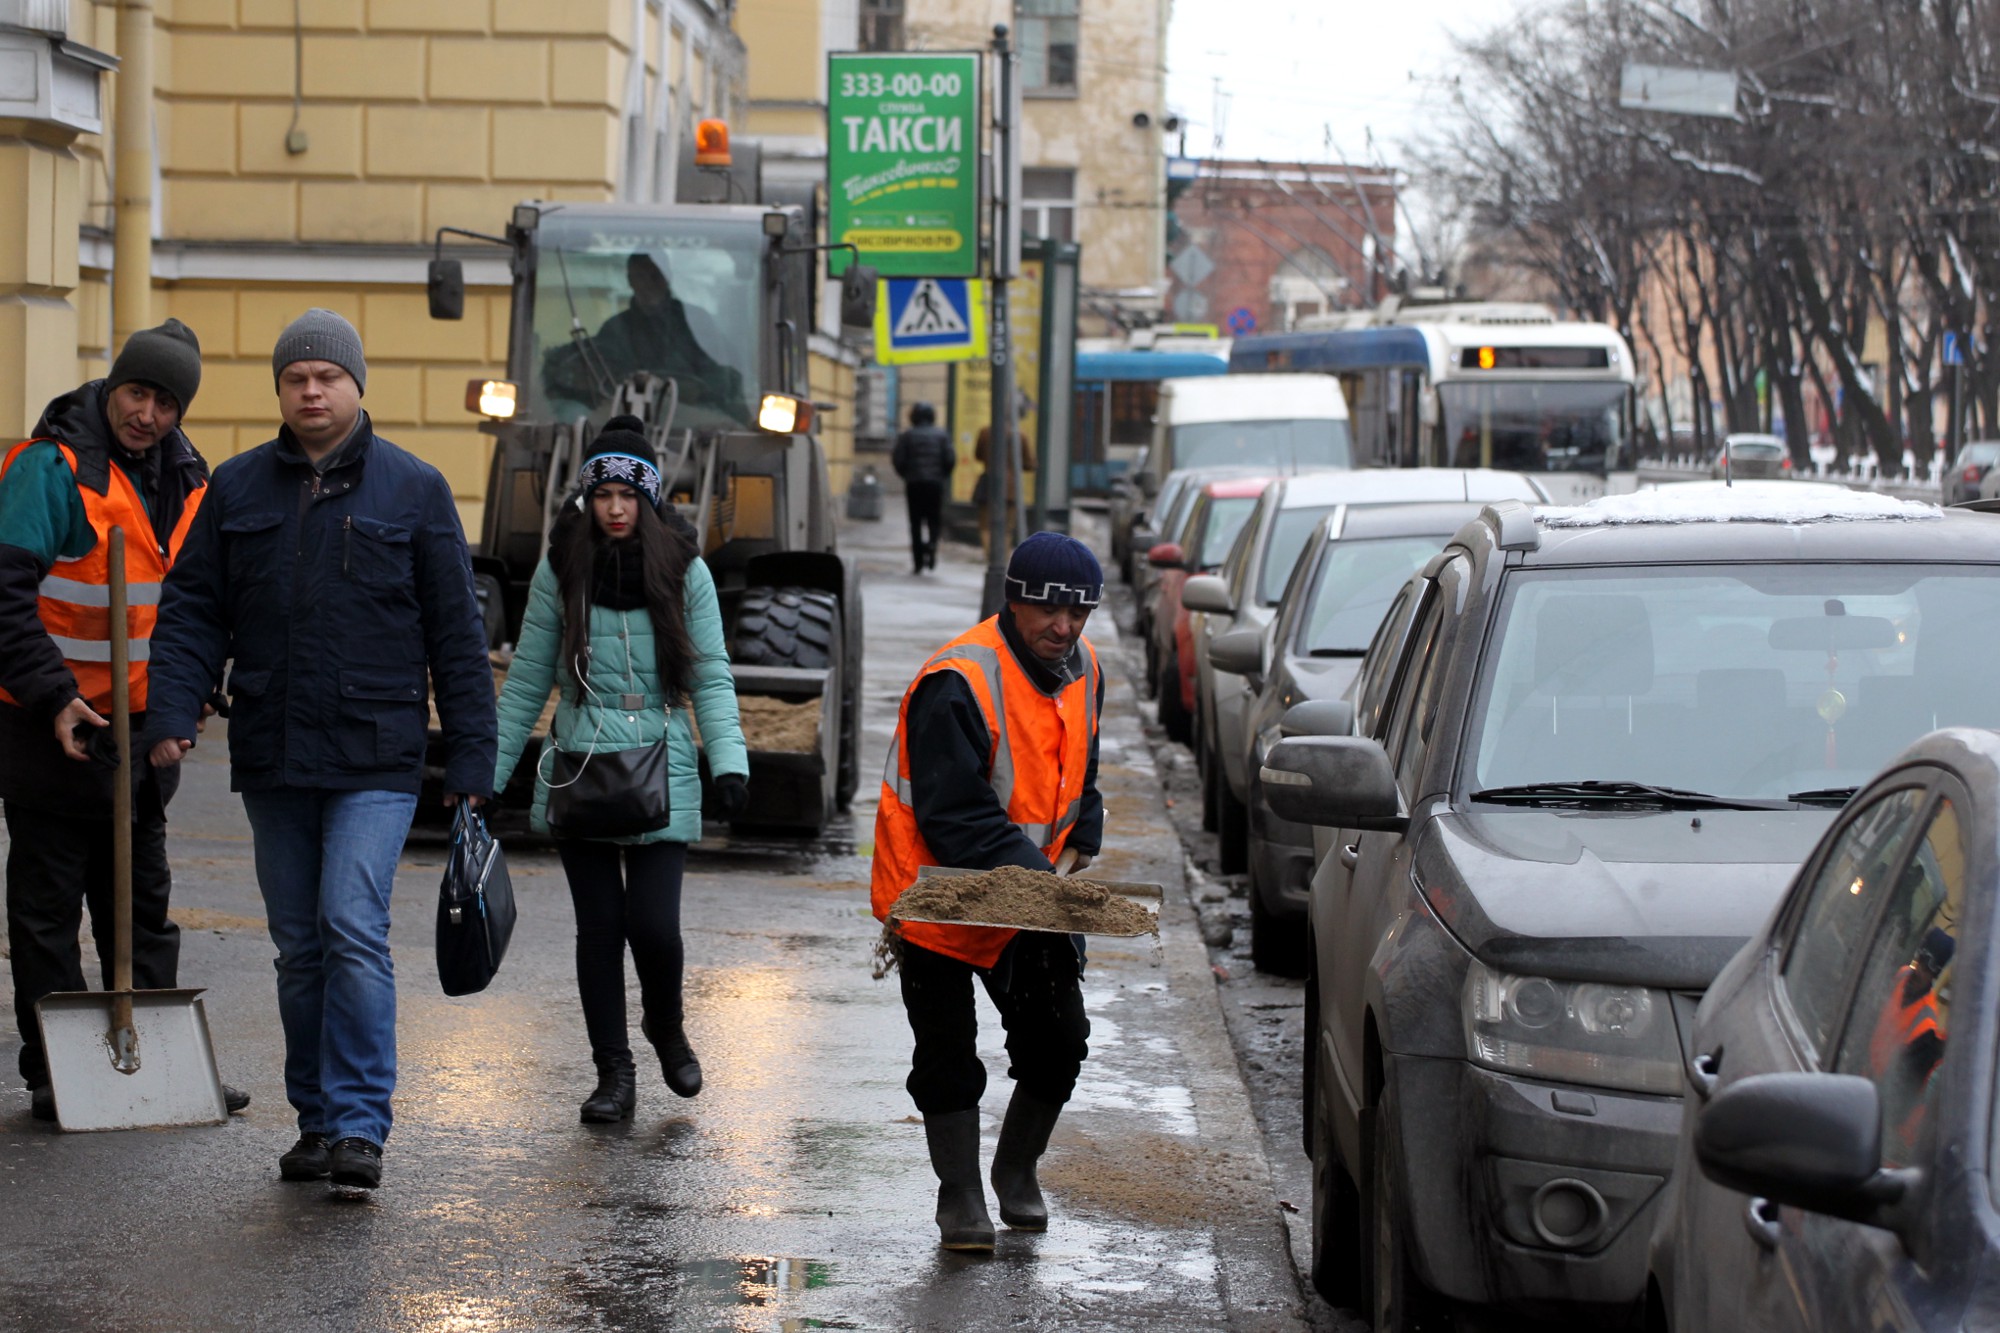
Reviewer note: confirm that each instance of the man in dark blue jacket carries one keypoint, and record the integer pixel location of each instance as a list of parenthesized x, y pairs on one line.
[(328, 568), (924, 459)]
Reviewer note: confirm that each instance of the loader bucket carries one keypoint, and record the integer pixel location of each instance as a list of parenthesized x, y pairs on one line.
[(791, 727)]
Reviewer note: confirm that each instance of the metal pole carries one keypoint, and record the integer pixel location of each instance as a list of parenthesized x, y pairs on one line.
[(132, 160), (1002, 457)]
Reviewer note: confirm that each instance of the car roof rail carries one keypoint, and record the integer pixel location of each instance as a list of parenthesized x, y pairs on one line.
[(1513, 523)]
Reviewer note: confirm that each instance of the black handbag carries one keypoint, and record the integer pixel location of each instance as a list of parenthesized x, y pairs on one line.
[(475, 906), (608, 793)]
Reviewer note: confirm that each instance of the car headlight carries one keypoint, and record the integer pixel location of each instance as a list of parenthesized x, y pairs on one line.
[(1592, 1032)]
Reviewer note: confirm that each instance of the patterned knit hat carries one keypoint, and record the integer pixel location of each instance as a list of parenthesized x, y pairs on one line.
[(620, 452), (1054, 569)]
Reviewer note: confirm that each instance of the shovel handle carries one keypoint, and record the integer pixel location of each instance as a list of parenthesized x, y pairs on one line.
[(121, 794)]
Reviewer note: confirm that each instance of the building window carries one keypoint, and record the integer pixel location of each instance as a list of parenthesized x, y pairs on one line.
[(1046, 30), (881, 25), (1048, 203)]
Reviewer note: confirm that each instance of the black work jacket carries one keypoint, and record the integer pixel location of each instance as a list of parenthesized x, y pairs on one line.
[(924, 454)]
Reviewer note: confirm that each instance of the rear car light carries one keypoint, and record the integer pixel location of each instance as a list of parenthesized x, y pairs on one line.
[(1971, 473)]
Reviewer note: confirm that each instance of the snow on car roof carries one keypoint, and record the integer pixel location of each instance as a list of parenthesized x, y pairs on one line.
[(1744, 502)]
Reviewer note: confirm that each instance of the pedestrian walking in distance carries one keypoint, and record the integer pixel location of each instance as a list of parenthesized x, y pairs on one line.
[(110, 453), (622, 617), (994, 763), (924, 458), (327, 567)]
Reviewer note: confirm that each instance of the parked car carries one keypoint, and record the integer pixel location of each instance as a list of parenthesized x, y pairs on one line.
[(1966, 479), (1215, 516), (1348, 576), (1590, 749), (1270, 423), (1176, 497), (1835, 1169), (1752, 458), (1243, 595)]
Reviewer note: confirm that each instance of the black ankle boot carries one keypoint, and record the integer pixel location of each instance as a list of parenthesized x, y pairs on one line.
[(962, 1219), (1024, 1137), (677, 1061), (616, 1093)]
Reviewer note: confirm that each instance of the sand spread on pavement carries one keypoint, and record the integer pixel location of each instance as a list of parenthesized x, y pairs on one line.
[(1028, 900)]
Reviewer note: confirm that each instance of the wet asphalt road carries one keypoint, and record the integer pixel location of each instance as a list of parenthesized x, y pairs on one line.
[(793, 1193)]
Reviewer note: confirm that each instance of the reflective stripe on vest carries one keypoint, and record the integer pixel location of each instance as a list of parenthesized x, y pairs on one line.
[(74, 600), (1038, 755)]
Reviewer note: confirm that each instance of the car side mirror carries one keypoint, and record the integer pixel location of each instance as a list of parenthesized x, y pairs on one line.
[(1207, 592), (1148, 483), (1316, 717), (1239, 652), (1334, 782), (1166, 555), (444, 283), (1813, 1141)]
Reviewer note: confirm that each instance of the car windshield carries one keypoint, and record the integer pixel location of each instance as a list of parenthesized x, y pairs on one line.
[(1289, 530), (1765, 681), (1756, 448), (1357, 581), (1534, 426), (1306, 442), (677, 299), (1219, 526), (1983, 454)]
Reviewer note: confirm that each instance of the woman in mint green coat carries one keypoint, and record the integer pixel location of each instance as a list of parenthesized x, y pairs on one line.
[(623, 617)]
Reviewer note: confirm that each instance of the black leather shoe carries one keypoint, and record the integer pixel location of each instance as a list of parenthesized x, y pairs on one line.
[(677, 1060), (234, 1098), (355, 1164), (42, 1102), (305, 1160), (615, 1096)]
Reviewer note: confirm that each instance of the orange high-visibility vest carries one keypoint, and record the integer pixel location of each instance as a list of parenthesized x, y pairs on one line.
[(1040, 751), (75, 599)]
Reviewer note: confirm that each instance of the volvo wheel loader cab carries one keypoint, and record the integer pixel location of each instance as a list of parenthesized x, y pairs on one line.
[(694, 318)]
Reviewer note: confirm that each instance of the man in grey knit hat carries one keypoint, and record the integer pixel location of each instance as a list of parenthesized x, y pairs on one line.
[(329, 570), (107, 454)]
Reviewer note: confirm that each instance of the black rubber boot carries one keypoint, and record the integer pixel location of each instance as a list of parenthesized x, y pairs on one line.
[(677, 1061), (963, 1222), (1024, 1137), (617, 1092)]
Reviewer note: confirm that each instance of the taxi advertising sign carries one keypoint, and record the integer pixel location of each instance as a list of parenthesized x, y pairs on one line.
[(903, 161)]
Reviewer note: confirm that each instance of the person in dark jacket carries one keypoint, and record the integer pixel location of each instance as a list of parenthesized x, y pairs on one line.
[(994, 763), (110, 453), (329, 569), (924, 458)]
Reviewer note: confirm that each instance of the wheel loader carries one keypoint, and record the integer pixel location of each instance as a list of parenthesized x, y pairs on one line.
[(693, 317)]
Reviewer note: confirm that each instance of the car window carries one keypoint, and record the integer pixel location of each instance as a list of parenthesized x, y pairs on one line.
[(1752, 680), (1901, 1016), (1289, 530), (1423, 684), (1356, 581), (1839, 909), (1223, 520), (1378, 668), (1239, 554)]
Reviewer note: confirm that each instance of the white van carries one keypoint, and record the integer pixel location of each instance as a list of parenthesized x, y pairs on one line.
[(1288, 423)]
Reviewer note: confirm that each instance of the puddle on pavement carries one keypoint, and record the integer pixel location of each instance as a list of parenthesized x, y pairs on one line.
[(755, 1286)]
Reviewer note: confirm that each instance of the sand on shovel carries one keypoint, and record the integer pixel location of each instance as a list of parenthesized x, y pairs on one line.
[(1027, 900)]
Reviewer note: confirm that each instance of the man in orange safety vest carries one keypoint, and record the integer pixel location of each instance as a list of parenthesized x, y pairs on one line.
[(994, 763)]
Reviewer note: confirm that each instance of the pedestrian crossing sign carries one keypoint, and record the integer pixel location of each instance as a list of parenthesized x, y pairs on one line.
[(920, 320)]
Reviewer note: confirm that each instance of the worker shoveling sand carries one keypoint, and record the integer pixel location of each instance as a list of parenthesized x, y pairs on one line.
[(1024, 900)]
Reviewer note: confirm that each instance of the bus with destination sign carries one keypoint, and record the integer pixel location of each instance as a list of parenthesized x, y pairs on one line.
[(1472, 384)]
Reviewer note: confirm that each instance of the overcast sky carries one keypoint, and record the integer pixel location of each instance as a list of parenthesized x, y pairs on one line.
[(1295, 77)]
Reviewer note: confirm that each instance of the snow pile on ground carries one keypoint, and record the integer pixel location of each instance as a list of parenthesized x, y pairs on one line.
[(1744, 502)]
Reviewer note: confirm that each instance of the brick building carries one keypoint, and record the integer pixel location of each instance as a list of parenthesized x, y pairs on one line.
[(1280, 241)]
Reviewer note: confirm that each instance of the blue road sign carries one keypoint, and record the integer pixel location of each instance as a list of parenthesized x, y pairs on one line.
[(1241, 321), (929, 319), (1954, 350)]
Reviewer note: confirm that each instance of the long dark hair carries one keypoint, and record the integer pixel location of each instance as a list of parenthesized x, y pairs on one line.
[(665, 550)]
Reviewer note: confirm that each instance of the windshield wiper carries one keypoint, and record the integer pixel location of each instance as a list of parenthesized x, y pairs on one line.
[(1833, 796), (1336, 652), (1593, 792)]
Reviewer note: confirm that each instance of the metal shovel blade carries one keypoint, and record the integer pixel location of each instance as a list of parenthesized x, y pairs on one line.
[(174, 1082)]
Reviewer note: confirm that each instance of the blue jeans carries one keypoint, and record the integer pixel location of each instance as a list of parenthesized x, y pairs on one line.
[(326, 862)]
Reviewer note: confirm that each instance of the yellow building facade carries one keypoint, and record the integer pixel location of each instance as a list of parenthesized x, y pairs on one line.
[(307, 154)]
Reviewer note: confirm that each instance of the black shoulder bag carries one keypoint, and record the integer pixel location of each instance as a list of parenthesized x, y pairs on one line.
[(475, 906)]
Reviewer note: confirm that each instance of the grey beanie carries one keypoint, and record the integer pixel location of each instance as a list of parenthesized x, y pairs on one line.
[(321, 335), (167, 357)]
